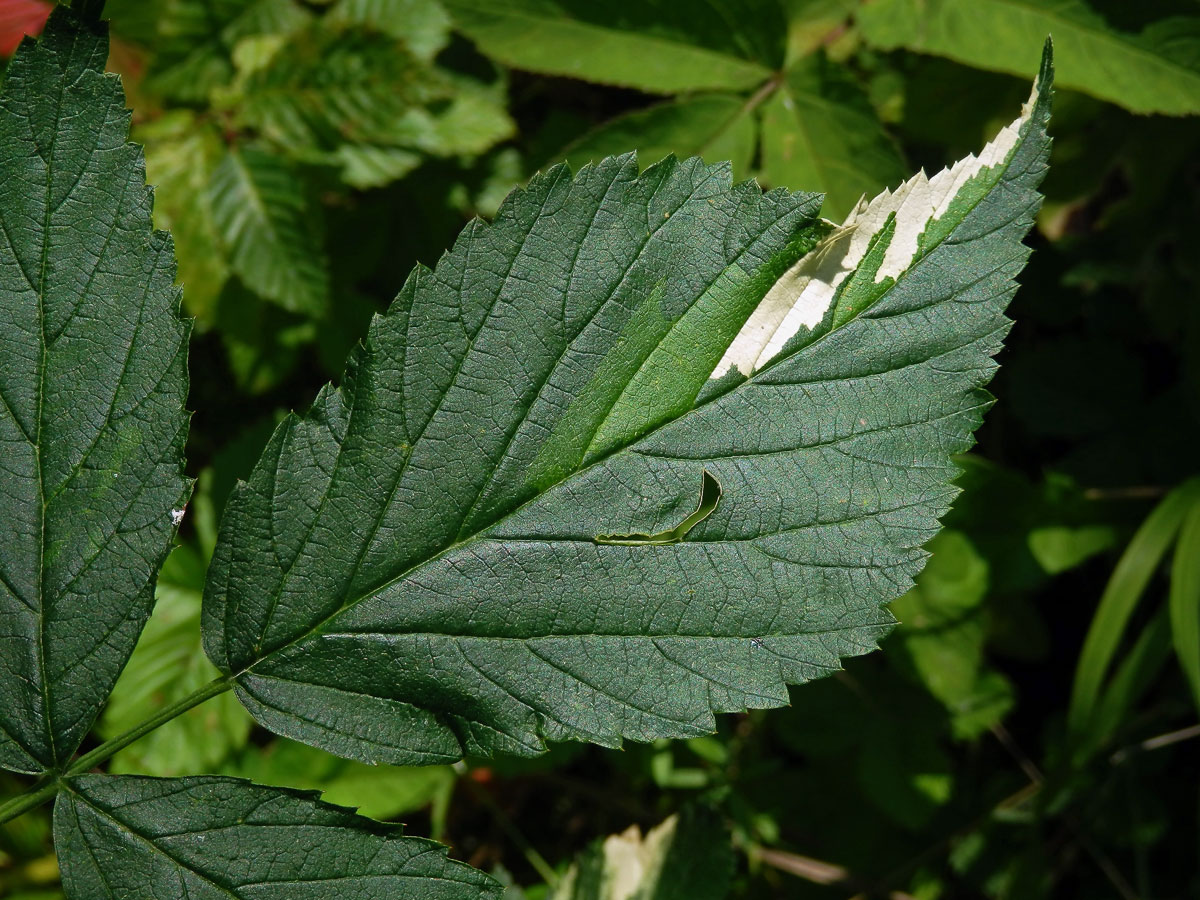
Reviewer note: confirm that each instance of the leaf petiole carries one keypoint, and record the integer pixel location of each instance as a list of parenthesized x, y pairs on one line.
[(39, 794)]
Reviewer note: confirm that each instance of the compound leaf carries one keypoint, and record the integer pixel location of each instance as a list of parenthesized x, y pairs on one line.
[(412, 571), (211, 838), (1156, 71), (93, 377)]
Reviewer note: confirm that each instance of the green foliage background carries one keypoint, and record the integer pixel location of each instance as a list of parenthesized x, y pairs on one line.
[(1030, 729)]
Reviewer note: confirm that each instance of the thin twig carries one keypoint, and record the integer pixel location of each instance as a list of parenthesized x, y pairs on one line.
[(1156, 743), (1029, 767), (1133, 492)]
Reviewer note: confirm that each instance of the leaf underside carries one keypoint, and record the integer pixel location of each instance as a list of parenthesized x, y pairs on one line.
[(93, 377), (411, 573), (210, 838)]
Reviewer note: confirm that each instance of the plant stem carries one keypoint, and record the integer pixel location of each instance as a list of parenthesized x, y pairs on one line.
[(22, 803), (39, 794)]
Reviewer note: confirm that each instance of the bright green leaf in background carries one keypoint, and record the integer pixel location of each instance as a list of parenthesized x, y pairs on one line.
[(1129, 581), (271, 234), (381, 792), (1184, 599), (93, 377), (339, 95), (660, 46), (944, 633), (1156, 71), (195, 40), (423, 26), (166, 666), (820, 129), (283, 104), (181, 154)]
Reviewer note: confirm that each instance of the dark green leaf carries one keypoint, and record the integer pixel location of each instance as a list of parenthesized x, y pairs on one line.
[(93, 377), (126, 838), (412, 573)]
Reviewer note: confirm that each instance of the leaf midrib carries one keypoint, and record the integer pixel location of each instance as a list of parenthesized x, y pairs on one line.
[(450, 548), (47, 217), (106, 815), (414, 440)]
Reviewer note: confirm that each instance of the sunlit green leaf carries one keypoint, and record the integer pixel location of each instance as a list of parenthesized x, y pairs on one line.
[(422, 25), (181, 154), (381, 792), (661, 47), (196, 40), (820, 131), (270, 231), (1156, 71)]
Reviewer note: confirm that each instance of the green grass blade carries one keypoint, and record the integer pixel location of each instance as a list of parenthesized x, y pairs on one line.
[(1133, 572), (1184, 598), (1134, 675)]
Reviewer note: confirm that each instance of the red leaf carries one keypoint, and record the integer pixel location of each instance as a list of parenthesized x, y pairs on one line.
[(19, 18)]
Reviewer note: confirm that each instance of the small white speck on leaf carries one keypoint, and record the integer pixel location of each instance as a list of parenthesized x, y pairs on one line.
[(177, 516)]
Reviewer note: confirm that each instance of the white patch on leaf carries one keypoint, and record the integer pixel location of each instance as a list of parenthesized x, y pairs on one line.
[(804, 293)]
